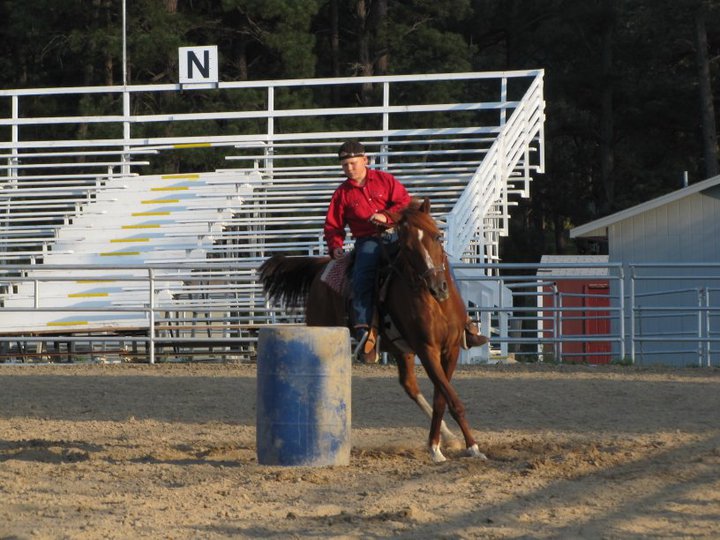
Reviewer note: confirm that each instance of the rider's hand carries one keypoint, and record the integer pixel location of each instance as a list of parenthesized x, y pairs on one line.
[(337, 253), (379, 219)]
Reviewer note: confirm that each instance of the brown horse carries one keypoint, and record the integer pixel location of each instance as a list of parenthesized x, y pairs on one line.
[(423, 312)]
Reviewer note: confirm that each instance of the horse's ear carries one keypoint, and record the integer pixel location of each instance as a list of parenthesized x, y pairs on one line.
[(425, 206)]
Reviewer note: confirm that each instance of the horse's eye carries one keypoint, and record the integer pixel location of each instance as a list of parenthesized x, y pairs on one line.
[(439, 238)]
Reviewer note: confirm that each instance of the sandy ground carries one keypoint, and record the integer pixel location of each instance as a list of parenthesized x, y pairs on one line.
[(168, 451)]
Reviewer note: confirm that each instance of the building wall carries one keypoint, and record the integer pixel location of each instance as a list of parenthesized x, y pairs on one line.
[(683, 231)]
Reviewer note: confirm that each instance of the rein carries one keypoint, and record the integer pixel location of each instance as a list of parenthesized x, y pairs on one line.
[(421, 278), (431, 271), (431, 277)]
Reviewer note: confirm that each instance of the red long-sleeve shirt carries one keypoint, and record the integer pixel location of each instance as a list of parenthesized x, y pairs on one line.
[(353, 205)]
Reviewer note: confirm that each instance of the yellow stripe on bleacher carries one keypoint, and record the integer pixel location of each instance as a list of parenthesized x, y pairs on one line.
[(177, 188), (147, 214), (119, 253), (180, 176), (151, 226), (89, 295), (193, 145), (67, 323), (128, 240), (160, 201)]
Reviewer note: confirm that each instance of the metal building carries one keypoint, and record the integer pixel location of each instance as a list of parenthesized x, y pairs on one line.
[(670, 250)]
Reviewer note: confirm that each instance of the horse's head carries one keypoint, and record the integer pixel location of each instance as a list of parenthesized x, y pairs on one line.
[(421, 244)]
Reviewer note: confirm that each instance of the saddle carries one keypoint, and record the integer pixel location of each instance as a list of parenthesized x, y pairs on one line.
[(336, 275)]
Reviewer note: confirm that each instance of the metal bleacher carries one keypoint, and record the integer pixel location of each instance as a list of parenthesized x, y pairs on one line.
[(95, 244)]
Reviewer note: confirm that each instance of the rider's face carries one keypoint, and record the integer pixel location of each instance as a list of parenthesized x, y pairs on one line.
[(355, 167)]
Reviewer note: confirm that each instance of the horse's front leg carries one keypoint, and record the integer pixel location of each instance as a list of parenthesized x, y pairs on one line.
[(438, 411), (449, 363), (445, 395), (472, 449), (408, 380)]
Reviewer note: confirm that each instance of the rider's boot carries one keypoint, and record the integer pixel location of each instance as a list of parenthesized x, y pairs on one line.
[(472, 336), (366, 350)]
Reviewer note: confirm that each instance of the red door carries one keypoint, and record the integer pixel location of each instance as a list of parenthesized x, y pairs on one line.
[(597, 322)]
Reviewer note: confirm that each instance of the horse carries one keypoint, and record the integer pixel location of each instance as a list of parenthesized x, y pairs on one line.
[(422, 308)]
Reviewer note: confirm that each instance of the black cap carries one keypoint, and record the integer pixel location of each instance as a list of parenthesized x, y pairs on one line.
[(351, 149)]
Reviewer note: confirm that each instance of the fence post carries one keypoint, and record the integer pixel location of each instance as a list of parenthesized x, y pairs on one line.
[(36, 293), (384, 161), (621, 292), (700, 342), (708, 343), (557, 332), (126, 132), (151, 333), (503, 100), (632, 314)]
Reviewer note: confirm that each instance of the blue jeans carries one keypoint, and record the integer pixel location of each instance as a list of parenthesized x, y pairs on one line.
[(368, 254)]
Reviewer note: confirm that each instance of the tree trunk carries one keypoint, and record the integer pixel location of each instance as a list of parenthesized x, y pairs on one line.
[(335, 48), (171, 6), (380, 24), (335, 38), (109, 63), (707, 109), (365, 66), (242, 62), (607, 147), (510, 30)]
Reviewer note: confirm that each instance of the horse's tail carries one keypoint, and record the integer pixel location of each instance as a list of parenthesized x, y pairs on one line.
[(287, 280)]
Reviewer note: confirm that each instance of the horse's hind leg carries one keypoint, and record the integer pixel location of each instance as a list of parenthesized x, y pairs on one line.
[(408, 380)]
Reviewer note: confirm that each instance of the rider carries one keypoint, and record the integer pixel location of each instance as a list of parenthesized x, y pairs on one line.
[(363, 202)]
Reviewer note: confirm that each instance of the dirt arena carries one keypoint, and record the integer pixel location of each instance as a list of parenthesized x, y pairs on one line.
[(168, 451)]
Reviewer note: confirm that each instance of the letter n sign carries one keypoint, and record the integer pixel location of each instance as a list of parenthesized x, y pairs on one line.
[(198, 64)]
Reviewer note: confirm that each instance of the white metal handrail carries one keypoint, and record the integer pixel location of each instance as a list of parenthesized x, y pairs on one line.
[(488, 186)]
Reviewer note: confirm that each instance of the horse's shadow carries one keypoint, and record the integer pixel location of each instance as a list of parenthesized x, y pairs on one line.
[(47, 451)]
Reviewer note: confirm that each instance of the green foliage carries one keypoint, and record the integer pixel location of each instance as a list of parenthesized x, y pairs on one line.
[(426, 33)]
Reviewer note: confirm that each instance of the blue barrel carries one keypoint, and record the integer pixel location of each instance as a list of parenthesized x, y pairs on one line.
[(304, 378)]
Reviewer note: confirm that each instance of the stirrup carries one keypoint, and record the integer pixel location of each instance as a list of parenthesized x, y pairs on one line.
[(360, 347)]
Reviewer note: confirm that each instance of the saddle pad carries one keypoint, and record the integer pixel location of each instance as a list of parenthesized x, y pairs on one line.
[(335, 274)]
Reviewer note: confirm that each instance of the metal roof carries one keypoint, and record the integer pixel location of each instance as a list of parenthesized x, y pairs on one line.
[(598, 228), (590, 265)]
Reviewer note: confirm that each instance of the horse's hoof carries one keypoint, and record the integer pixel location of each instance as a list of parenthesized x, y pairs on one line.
[(474, 451), (436, 454)]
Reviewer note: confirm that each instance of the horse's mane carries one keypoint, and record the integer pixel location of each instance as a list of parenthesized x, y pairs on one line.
[(416, 216), (287, 280)]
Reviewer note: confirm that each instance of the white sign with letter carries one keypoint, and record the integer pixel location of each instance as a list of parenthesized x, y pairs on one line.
[(198, 64)]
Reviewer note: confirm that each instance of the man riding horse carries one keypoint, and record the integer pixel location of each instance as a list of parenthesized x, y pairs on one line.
[(365, 202)]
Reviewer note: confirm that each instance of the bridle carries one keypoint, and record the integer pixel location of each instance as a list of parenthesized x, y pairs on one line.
[(433, 270), (431, 278)]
